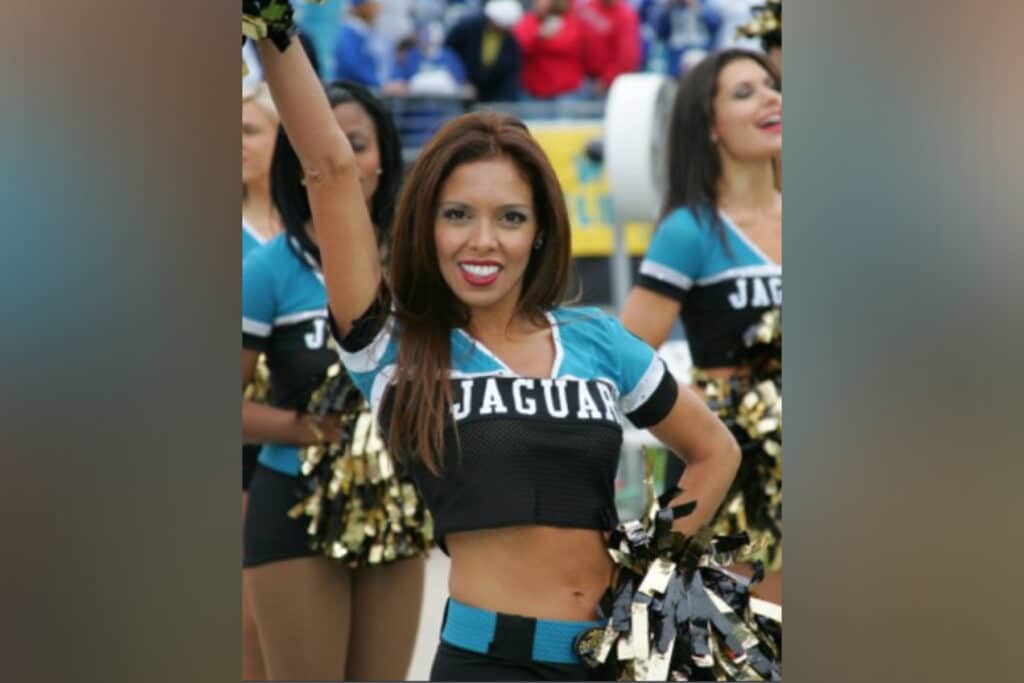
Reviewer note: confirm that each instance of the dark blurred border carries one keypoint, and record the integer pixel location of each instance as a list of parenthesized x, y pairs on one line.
[(120, 506), (120, 513)]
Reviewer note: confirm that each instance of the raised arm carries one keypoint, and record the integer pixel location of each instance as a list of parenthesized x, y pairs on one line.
[(348, 246)]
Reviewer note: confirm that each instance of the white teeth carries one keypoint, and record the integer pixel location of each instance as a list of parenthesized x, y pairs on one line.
[(771, 120), (479, 271)]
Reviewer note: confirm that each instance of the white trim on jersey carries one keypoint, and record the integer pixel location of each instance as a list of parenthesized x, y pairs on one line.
[(479, 345), (308, 258), (255, 327), (662, 272), (253, 234), (645, 388), (380, 384), (301, 316), (746, 240), (460, 374), (741, 271), (556, 337), (370, 356)]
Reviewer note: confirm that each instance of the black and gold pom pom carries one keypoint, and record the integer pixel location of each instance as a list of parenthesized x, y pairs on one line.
[(750, 405), (259, 386), (274, 19), (362, 511), (766, 24), (676, 612)]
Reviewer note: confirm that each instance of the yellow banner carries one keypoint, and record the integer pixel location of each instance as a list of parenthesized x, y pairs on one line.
[(586, 189)]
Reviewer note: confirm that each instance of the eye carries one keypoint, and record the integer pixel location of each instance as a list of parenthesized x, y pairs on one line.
[(515, 217), (743, 91), (454, 214), (358, 143)]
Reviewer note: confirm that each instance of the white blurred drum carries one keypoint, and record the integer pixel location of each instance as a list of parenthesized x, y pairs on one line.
[(636, 125)]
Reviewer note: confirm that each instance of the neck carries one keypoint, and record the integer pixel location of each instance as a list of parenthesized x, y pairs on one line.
[(257, 208), (747, 185), (311, 233), (257, 193), (496, 323)]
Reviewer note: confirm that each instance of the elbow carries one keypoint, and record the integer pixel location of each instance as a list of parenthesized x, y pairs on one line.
[(337, 167), (732, 456), (336, 162)]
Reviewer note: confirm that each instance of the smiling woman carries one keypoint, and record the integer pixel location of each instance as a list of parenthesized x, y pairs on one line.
[(506, 407), (485, 231)]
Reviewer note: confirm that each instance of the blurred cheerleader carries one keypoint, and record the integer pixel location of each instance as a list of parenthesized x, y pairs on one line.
[(260, 222), (318, 619), (716, 261)]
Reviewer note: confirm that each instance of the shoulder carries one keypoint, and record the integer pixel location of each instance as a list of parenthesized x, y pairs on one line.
[(257, 259), (260, 287), (683, 234), (586, 315), (684, 220), (596, 344), (272, 253), (585, 326), (273, 261)]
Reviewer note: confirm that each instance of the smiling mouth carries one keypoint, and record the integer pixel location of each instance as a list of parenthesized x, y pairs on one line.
[(480, 274), (770, 123)]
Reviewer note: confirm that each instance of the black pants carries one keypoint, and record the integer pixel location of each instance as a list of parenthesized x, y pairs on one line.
[(269, 534), (250, 453), (455, 664)]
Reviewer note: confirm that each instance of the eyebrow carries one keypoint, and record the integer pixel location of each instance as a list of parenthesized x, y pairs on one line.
[(769, 81), (514, 205)]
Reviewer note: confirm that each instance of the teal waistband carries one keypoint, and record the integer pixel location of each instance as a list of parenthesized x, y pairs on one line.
[(283, 459), (541, 640)]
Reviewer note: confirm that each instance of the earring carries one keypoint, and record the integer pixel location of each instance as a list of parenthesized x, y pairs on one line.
[(537, 243), (380, 170)]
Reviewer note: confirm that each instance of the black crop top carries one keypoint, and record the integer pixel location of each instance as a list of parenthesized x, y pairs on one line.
[(534, 450), (722, 293)]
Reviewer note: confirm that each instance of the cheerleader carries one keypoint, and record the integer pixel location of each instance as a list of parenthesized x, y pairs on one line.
[(317, 618), (505, 405), (716, 261), (260, 222)]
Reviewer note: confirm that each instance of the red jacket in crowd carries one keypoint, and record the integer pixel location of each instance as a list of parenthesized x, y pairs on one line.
[(552, 64), (611, 38)]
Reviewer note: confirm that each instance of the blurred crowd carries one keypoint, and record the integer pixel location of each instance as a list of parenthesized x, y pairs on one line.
[(508, 50)]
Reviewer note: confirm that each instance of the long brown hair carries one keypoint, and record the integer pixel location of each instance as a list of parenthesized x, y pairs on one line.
[(694, 167), (425, 307)]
